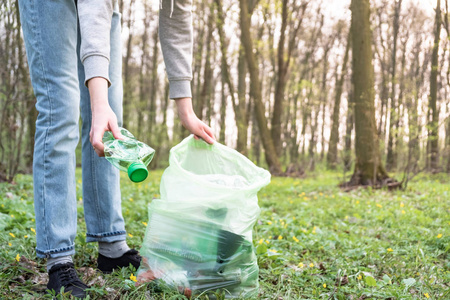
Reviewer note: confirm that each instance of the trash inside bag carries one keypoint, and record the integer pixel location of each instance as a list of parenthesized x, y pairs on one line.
[(199, 235)]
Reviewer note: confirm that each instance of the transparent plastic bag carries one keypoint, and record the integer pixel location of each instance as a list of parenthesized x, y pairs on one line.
[(199, 235)]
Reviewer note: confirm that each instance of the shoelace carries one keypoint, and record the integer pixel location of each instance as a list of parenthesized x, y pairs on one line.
[(70, 277)]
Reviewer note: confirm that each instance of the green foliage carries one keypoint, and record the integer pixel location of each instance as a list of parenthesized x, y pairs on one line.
[(312, 240)]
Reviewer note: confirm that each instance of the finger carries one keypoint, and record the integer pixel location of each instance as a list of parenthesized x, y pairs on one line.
[(196, 137), (115, 130), (97, 141), (208, 135)]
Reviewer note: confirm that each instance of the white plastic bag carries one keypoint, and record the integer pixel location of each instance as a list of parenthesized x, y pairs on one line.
[(199, 236)]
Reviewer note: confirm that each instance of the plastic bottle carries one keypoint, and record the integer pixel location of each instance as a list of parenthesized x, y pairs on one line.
[(129, 154)]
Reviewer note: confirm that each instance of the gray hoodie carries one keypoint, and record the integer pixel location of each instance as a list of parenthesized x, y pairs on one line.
[(175, 33)]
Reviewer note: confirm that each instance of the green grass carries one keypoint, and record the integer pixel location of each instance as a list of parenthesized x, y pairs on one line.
[(313, 241)]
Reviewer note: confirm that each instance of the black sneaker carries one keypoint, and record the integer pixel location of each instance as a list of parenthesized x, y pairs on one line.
[(64, 275), (107, 265)]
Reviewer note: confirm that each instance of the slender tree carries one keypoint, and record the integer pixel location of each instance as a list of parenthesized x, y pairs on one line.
[(433, 111), (369, 169), (266, 139), (394, 115), (334, 133)]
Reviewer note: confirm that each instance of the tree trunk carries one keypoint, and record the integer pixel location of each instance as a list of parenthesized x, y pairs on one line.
[(433, 123), (283, 61), (207, 71), (347, 157), (391, 160), (153, 84), (223, 109), (246, 40), (368, 168), (334, 133), (127, 89), (143, 91), (239, 105)]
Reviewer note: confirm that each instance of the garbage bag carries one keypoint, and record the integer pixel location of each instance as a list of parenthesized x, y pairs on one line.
[(199, 235)]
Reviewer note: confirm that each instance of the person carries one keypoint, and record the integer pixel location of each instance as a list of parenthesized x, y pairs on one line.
[(74, 56)]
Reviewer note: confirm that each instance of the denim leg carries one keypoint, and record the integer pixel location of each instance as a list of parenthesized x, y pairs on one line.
[(101, 182), (50, 32)]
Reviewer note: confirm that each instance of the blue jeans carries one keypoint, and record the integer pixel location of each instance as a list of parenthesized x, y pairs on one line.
[(52, 40)]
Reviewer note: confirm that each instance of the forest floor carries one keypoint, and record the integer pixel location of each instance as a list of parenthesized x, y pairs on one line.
[(313, 241)]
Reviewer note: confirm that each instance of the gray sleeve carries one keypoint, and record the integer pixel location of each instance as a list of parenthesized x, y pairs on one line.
[(175, 33), (95, 25)]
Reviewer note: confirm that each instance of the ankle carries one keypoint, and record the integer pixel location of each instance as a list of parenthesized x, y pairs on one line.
[(114, 249), (58, 260)]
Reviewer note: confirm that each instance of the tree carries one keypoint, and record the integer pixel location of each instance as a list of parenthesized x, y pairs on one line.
[(433, 123), (247, 42), (369, 169), (334, 133), (391, 160), (284, 60)]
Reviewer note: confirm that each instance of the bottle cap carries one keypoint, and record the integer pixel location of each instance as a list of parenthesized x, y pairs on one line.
[(137, 172)]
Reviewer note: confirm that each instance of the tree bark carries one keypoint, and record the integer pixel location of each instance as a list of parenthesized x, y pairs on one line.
[(283, 61), (391, 160), (369, 169), (433, 123), (246, 40), (334, 132), (127, 89)]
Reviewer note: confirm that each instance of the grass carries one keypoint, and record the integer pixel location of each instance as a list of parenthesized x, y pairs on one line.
[(312, 240)]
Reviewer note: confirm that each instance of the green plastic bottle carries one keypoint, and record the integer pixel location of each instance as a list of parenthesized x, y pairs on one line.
[(129, 154)]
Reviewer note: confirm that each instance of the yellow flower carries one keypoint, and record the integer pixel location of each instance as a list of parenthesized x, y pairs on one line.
[(402, 205), (274, 251), (144, 223), (270, 237), (280, 237), (304, 230), (291, 202), (301, 265), (311, 265), (132, 277), (261, 241), (79, 199), (79, 180), (268, 222), (26, 236), (426, 295), (439, 235), (34, 231), (131, 199), (403, 212), (379, 205), (359, 277), (346, 217), (18, 257), (12, 216), (295, 239), (12, 234), (389, 250), (332, 196), (320, 194), (267, 242), (9, 244), (325, 285), (293, 218), (357, 201), (130, 235)]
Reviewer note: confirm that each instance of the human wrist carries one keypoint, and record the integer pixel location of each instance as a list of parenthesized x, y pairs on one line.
[(184, 107), (98, 91)]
